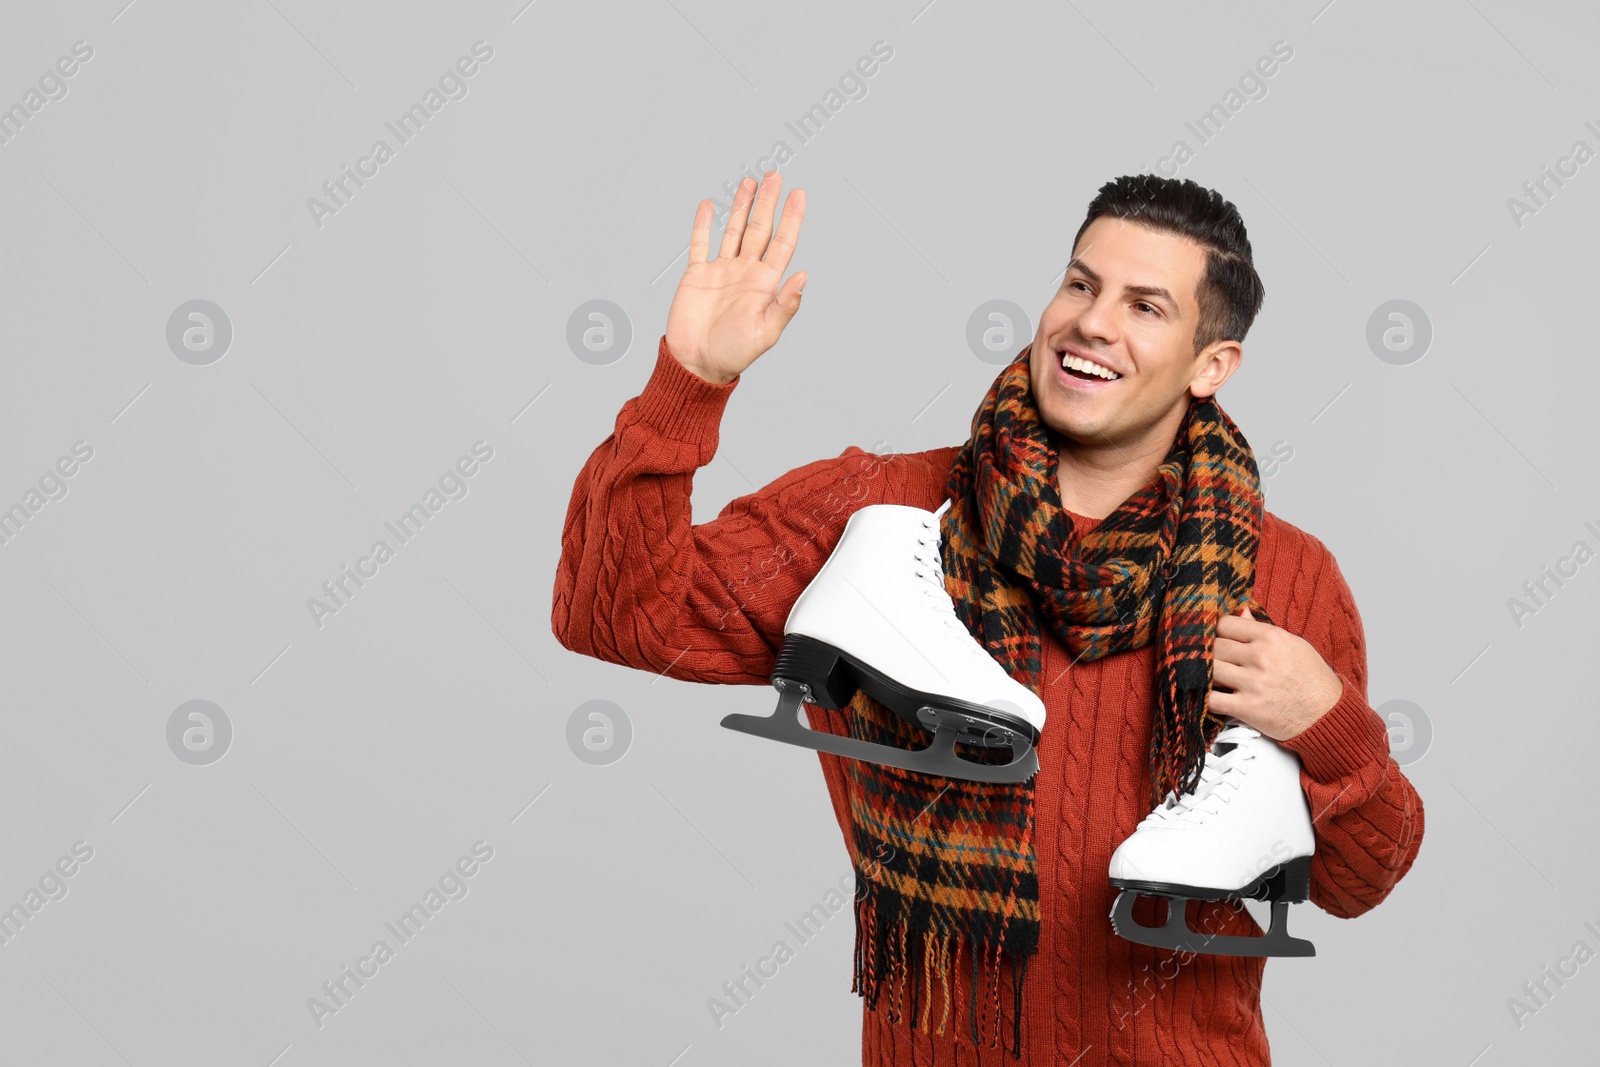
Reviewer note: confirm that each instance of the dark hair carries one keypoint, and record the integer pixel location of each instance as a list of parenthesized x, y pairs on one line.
[(1230, 291)]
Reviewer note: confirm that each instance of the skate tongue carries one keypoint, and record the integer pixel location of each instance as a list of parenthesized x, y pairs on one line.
[(1233, 731), (1180, 807)]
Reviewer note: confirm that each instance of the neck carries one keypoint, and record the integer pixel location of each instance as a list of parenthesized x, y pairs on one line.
[(1094, 479)]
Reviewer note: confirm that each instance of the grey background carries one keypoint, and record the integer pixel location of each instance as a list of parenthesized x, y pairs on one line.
[(431, 312)]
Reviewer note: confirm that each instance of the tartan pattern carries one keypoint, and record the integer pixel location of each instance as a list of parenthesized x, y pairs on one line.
[(945, 866)]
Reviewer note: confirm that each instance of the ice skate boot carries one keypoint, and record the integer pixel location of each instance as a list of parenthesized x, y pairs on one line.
[(1243, 834), (877, 618)]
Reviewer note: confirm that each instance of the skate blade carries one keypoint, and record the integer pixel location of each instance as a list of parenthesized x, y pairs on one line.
[(1177, 936), (938, 758), (832, 677)]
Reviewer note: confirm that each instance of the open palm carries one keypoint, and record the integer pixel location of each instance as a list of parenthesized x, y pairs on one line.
[(729, 310)]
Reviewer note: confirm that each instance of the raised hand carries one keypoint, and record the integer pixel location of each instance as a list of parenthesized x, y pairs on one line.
[(729, 310)]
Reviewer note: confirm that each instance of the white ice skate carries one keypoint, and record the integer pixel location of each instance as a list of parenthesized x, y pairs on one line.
[(877, 617), (1244, 833)]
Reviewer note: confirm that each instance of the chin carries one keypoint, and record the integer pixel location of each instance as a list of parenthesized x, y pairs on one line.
[(1062, 408), (1061, 423), (1077, 435)]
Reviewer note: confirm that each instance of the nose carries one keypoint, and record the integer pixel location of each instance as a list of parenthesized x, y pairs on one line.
[(1095, 321)]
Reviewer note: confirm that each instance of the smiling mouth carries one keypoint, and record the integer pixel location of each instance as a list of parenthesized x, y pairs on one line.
[(1085, 370)]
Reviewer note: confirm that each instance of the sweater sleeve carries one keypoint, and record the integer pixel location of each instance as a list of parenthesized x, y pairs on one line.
[(1367, 816), (639, 584)]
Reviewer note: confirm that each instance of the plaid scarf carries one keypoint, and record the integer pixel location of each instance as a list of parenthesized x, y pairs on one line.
[(945, 866)]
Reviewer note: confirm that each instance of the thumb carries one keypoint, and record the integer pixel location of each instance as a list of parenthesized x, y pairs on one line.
[(788, 299)]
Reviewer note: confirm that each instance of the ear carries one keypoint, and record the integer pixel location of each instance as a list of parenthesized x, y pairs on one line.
[(1213, 366)]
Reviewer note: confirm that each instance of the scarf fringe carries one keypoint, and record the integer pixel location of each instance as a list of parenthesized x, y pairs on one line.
[(917, 967), (1178, 753)]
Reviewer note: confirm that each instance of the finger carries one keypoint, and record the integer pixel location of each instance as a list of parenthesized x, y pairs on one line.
[(1223, 704), (1226, 650), (738, 215), (700, 236), (1229, 675), (784, 305), (788, 235), (1249, 616), (754, 244), (1235, 627)]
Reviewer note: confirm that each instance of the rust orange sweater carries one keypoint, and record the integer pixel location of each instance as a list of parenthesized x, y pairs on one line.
[(639, 584)]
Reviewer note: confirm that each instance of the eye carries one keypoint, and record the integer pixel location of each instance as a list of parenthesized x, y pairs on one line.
[(1078, 282), (1143, 304)]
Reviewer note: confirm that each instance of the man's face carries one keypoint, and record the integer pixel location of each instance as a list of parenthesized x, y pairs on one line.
[(1128, 303)]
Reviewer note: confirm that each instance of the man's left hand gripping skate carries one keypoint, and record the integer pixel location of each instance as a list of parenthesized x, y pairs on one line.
[(1280, 683)]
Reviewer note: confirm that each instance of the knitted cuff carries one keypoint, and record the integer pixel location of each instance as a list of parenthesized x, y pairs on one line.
[(679, 404), (1347, 740)]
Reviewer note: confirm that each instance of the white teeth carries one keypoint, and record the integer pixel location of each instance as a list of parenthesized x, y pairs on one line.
[(1069, 360)]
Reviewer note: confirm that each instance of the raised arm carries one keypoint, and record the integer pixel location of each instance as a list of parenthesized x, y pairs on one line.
[(639, 584), (1367, 816), (636, 583)]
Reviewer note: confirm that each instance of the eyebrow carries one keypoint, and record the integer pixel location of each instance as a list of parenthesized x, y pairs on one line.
[(1155, 292)]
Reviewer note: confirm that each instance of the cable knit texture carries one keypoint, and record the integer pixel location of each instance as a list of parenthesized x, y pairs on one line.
[(639, 584)]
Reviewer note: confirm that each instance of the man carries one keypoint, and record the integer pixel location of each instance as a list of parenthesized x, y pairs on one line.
[(1108, 545)]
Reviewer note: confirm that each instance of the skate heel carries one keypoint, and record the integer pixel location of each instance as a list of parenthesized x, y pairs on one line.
[(1291, 882), (819, 667)]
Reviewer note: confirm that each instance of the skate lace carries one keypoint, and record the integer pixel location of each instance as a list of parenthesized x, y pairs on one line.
[(930, 569), (1219, 779)]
